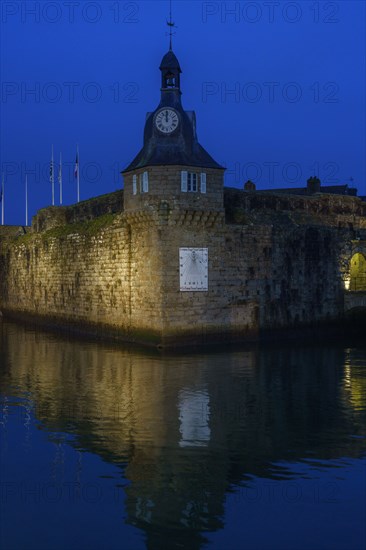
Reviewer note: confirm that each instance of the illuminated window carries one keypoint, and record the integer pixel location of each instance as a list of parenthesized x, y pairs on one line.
[(358, 273)]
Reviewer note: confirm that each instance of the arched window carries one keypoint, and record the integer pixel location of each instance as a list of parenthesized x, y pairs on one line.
[(358, 272)]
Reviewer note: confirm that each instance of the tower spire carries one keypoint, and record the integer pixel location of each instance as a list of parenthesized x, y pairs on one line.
[(171, 26)]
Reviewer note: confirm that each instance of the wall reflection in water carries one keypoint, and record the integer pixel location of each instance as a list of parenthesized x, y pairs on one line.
[(187, 429)]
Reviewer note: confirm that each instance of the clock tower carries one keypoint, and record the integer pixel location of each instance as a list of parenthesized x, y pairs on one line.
[(172, 166), (174, 208)]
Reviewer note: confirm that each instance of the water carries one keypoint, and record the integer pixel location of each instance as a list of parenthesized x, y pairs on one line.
[(116, 448)]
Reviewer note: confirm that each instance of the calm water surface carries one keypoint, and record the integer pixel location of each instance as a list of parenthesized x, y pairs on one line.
[(113, 448)]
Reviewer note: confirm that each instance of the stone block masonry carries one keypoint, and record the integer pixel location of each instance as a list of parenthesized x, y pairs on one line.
[(273, 263), (71, 276)]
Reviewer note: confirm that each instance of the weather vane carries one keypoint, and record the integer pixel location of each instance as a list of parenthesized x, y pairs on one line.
[(171, 25)]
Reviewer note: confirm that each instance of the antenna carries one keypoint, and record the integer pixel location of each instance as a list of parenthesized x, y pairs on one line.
[(171, 26)]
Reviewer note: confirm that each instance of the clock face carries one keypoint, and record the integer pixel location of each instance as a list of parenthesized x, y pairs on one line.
[(166, 120), (193, 269)]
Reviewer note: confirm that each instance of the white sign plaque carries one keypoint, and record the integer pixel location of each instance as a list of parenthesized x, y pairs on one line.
[(193, 269)]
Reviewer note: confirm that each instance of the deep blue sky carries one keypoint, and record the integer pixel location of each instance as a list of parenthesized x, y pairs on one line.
[(311, 119)]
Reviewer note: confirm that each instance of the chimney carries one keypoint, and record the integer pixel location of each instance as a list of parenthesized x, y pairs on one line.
[(249, 186), (313, 185)]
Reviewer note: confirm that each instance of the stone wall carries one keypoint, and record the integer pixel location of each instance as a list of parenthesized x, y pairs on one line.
[(84, 276), (272, 265), (56, 216), (261, 277), (71, 276), (165, 184), (320, 209)]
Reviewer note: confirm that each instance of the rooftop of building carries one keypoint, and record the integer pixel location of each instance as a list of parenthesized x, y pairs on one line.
[(313, 186)]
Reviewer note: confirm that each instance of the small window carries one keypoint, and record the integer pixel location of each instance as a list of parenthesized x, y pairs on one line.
[(134, 184), (192, 182), (189, 182), (141, 184)]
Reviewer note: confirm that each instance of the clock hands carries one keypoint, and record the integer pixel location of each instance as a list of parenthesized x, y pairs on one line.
[(166, 120)]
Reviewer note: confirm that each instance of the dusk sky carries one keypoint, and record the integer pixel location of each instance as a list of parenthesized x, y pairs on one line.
[(278, 89)]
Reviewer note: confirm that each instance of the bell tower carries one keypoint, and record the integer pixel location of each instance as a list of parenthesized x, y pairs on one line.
[(170, 69), (170, 73), (174, 208), (172, 165)]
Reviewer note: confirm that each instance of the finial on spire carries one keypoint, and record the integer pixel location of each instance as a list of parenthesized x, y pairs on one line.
[(171, 26)]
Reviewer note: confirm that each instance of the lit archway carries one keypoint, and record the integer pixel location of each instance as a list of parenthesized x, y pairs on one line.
[(358, 273)]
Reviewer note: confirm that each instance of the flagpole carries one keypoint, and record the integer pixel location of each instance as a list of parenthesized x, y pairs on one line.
[(78, 174), (60, 178), (2, 199), (26, 201), (52, 180)]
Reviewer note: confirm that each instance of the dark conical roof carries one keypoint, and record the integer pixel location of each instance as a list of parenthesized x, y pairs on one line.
[(170, 61)]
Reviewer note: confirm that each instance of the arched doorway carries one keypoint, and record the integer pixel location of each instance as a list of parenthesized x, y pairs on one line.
[(358, 272)]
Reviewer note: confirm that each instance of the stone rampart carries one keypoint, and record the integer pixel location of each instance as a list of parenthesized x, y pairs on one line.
[(272, 265), (56, 216)]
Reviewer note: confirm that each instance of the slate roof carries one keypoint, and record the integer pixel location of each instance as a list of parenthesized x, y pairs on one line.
[(179, 148), (170, 61)]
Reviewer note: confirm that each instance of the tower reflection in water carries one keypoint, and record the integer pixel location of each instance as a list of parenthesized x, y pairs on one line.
[(189, 429)]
